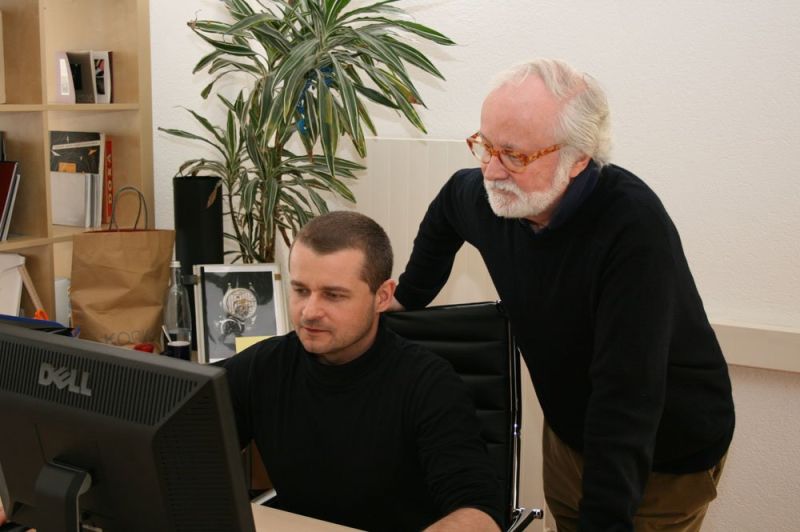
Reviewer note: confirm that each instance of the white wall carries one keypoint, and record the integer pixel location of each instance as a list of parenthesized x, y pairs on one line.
[(706, 110), (704, 99)]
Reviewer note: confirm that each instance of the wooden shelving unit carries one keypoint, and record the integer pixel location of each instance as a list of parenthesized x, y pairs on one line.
[(33, 30)]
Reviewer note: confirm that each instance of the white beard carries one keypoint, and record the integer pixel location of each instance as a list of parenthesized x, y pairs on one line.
[(512, 202)]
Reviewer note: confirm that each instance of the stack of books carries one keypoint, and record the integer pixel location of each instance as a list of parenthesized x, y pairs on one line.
[(81, 183)]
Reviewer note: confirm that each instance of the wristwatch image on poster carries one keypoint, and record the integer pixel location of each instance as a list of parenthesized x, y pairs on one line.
[(236, 301)]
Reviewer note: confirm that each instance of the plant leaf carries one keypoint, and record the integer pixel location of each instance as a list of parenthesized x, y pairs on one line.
[(328, 122), (224, 46), (332, 10), (424, 31), (205, 61), (378, 7), (351, 114)]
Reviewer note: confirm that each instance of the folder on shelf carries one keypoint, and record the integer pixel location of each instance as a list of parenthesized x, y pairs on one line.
[(65, 88), (101, 65), (9, 183), (82, 70), (83, 76)]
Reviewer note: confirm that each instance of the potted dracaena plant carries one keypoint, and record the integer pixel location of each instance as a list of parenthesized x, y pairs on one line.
[(312, 67)]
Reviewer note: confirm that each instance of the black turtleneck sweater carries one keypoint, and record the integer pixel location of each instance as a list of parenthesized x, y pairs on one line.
[(389, 441), (602, 303)]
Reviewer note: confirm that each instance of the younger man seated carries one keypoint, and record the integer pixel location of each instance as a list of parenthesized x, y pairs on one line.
[(356, 425)]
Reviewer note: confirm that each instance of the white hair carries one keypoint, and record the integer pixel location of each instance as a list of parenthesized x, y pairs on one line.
[(584, 124)]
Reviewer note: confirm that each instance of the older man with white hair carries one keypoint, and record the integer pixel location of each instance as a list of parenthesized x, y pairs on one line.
[(631, 379)]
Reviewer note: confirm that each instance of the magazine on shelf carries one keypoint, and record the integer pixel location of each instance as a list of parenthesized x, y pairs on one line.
[(101, 63), (77, 199), (77, 167), (71, 204), (8, 197), (76, 151), (8, 170)]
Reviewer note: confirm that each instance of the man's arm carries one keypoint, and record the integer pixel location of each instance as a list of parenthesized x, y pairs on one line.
[(456, 464), (465, 520), (628, 374), (438, 240)]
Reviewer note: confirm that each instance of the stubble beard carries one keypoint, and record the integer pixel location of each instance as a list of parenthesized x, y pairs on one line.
[(330, 347)]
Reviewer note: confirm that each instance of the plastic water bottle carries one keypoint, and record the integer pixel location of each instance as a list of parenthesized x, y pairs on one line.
[(177, 313)]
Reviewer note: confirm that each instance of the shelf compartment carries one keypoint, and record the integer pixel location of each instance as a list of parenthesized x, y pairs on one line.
[(23, 135), (117, 27), (23, 71)]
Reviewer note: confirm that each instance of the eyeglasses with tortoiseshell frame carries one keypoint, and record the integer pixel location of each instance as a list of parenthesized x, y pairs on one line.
[(514, 161)]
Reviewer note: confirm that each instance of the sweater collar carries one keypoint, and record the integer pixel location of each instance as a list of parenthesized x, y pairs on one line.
[(350, 373), (578, 190)]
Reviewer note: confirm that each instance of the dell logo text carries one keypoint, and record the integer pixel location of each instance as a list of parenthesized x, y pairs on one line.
[(64, 378)]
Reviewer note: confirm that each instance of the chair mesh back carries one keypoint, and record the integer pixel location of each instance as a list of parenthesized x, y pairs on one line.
[(475, 339)]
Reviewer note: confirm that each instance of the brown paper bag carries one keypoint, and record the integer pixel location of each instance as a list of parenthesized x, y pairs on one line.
[(120, 279)]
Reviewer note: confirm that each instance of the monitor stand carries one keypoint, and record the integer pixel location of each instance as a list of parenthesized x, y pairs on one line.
[(58, 487)]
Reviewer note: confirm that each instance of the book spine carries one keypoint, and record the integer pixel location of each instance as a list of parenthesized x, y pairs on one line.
[(108, 183)]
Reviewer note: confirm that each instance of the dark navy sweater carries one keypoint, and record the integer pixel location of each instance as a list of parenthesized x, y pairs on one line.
[(389, 441), (624, 362)]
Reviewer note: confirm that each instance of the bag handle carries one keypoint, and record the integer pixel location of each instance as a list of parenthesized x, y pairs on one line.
[(142, 203)]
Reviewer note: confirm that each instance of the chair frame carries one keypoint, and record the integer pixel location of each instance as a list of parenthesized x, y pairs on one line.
[(519, 517)]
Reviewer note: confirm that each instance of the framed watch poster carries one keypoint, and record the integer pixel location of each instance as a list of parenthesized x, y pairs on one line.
[(236, 300)]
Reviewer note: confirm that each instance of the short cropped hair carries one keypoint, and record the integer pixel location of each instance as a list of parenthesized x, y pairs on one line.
[(340, 230), (584, 121)]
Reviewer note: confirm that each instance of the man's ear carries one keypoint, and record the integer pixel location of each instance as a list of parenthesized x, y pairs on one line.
[(384, 295), (579, 166)]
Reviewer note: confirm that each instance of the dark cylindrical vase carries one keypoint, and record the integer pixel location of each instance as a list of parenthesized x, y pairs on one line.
[(198, 228)]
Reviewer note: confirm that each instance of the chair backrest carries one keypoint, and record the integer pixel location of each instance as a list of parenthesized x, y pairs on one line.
[(476, 339)]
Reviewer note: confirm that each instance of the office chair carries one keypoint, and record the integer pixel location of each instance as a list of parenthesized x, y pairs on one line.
[(476, 339)]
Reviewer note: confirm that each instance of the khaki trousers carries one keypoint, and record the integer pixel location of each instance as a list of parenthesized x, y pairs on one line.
[(674, 503)]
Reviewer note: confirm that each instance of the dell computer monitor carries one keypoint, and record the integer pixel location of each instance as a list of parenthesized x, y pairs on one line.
[(96, 437)]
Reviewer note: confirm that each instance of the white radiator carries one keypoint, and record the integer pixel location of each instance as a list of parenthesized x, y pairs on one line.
[(402, 177)]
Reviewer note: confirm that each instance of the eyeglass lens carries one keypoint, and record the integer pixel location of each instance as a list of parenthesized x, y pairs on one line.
[(484, 155)]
